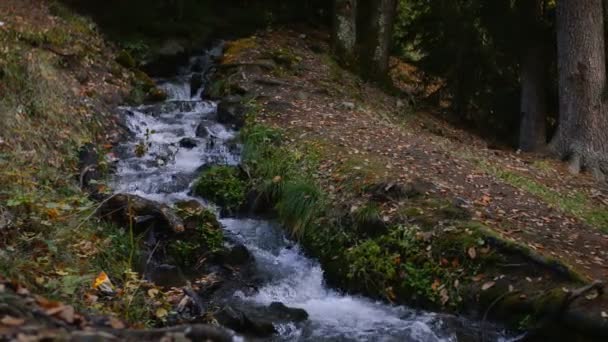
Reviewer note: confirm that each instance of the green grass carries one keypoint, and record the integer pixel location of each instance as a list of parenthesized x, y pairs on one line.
[(574, 203), (282, 175), (300, 204)]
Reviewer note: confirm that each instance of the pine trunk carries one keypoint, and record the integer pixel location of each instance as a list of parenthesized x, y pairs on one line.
[(532, 133), (344, 32), (376, 19), (582, 133)]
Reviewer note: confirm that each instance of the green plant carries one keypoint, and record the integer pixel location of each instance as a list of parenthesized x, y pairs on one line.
[(203, 236), (300, 203), (223, 185)]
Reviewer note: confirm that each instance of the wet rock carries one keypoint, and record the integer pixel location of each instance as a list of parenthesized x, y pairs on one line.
[(231, 111), (201, 130), (188, 143), (242, 323), (237, 255), (290, 314), (168, 107), (200, 64), (196, 82)]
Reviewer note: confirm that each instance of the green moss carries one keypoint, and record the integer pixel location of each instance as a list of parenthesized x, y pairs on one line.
[(223, 185), (125, 59), (203, 236)]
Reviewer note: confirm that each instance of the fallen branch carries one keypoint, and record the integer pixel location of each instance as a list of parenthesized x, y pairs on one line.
[(129, 206)]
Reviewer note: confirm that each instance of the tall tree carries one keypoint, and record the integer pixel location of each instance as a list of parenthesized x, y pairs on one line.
[(533, 78), (344, 33), (582, 133), (375, 20)]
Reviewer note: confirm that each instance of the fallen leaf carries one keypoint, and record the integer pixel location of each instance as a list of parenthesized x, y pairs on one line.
[(472, 253), (116, 323), (12, 321), (592, 295), (153, 292), (103, 284), (444, 296), (161, 313), (487, 285)]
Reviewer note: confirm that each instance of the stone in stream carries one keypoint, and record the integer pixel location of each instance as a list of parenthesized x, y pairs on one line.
[(231, 111), (242, 323), (237, 255), (290, 314), (188, 143), (201, 130)]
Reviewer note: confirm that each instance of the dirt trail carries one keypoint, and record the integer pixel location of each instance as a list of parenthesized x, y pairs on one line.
[(318, 101)]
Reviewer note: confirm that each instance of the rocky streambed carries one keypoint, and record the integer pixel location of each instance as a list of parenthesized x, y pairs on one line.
[(250, 277)]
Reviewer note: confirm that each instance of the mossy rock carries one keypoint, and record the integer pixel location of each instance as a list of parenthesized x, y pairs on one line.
[(143, 81), (156, 95), (125, 59), (285, 58), (203, 236), (224, 186)]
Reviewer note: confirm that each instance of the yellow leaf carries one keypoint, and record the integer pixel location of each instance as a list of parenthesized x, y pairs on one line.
[(152, 293), (161, 313)]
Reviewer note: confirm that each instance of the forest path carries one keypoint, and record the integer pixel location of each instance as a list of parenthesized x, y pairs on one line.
[(525, 198)]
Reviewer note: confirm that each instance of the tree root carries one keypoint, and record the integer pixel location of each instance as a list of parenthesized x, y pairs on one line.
[(581, 291)]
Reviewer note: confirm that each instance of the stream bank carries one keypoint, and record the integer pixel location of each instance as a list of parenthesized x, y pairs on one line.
[(389, 238), (258, 281)]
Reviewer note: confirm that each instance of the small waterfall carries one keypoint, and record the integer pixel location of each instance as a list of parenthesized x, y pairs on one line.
[(157, 163)]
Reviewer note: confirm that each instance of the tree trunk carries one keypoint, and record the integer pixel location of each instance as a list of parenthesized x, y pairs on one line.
[(533, 131), (375, 20), (344, 33), (582, 133)]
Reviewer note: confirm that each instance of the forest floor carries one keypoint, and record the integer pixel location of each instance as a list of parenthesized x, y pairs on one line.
[(526, 198)]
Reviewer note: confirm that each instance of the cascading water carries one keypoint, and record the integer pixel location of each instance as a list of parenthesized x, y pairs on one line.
[(171, 142)]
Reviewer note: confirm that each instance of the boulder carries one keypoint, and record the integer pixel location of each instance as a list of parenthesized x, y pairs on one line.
[(202, 131), (242, 323), (231, 111), (287, 313), (235, 256), (188, 143)]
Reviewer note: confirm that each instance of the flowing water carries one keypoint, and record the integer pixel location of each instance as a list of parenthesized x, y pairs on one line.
[(164, 171)]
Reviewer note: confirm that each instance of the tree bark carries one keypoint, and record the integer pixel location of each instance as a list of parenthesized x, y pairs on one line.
[(582, 133), (533, 131), (344, 32), (375, 21)]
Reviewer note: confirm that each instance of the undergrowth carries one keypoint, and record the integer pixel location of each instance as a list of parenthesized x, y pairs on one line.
[(50, 241), (281, 175)]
